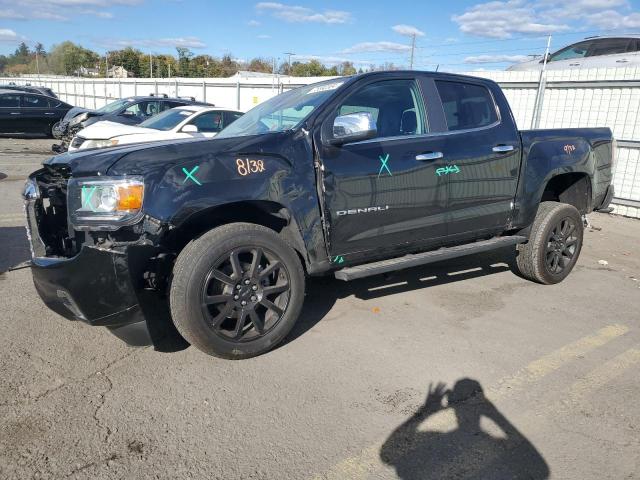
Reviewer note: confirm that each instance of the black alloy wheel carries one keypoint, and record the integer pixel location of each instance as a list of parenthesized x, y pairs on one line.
[(561, 246), (245, 294)]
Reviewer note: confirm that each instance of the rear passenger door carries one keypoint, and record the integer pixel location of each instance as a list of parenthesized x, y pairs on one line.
[(481, 151), (37, 114), (10, 113)]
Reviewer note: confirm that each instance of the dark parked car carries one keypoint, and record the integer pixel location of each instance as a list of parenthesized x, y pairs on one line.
[(29, 88), (351, 177), (129, 111), (25, 113)]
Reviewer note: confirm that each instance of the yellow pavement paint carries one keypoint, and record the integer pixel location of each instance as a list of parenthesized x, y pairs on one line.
[(368, 461), (603, 374)]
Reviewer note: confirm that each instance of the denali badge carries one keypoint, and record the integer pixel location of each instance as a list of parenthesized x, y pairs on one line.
[(356, 211)]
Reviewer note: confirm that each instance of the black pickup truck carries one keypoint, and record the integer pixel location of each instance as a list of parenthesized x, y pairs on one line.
[(351, 177)]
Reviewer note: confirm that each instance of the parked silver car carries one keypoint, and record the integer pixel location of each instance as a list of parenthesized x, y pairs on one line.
[(593, 52)]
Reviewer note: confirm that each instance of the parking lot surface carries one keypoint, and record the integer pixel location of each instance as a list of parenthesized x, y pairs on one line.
[(457, 370)]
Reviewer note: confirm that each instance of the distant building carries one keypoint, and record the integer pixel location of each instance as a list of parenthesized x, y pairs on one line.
[(118, 71), (87, 72)]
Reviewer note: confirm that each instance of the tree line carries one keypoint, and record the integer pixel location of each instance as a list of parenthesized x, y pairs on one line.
[(68, 58)]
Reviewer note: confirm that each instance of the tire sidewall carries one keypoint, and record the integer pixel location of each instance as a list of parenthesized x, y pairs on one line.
[(557, 215), (186, 305)]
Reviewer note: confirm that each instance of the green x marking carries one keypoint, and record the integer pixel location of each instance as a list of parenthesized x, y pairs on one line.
[(339, 259), (189, 174), (87, 197), (384, 165)]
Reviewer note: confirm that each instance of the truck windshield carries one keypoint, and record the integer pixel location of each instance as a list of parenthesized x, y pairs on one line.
[(167, 119), (113, 106), (283, 112)]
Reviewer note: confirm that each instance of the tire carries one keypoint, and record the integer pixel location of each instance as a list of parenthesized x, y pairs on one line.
[(554, 244), (218, 271)]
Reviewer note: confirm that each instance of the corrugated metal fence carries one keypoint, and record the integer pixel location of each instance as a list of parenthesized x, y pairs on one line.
[(573, 98)]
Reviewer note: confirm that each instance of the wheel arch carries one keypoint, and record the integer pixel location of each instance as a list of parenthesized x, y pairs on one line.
[(269, 214), (573, 188)]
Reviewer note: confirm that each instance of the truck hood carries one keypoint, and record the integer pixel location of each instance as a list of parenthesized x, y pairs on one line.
[(106, 129), (140, 158)]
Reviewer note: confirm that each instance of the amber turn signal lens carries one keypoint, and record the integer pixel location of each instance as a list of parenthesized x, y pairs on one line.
[(130, 197)]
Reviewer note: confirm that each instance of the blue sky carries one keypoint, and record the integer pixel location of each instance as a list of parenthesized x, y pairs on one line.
[(461, 35)]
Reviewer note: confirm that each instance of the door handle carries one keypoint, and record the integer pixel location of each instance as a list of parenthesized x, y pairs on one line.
[(574, 64), (15, 113), (624, 60), (49, 113), (503, 148), (429, 156)]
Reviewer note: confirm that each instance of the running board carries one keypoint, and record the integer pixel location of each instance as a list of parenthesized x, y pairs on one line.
[(408, 261)]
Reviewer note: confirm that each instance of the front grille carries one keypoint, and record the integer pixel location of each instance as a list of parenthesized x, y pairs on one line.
[(77, 142)]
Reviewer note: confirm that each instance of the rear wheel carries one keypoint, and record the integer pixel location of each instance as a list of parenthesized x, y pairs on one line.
[(236, 291), (554, 244)]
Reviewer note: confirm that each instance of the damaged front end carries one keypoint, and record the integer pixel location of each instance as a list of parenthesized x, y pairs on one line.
[(95, 256)]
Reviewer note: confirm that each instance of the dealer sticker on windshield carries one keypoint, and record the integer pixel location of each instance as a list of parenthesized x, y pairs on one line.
[(325, 88)]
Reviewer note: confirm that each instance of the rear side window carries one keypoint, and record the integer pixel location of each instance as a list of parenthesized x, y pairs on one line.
[(230, 117), (34, 101), (609, 46), (466, 105), (10, 101)]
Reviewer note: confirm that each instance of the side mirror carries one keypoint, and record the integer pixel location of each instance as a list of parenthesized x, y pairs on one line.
[(353, 127), (189, 128)]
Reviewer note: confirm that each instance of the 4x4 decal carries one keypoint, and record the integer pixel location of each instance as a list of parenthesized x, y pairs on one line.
[(447, 170)]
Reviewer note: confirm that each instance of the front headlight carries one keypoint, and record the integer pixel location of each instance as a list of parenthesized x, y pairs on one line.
[(99, 143), (104, 203), (78, 118)]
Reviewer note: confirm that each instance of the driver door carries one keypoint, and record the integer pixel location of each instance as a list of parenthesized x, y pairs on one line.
[(383, 193)]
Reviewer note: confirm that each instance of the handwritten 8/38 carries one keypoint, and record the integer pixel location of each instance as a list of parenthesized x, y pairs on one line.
[(246, 166)]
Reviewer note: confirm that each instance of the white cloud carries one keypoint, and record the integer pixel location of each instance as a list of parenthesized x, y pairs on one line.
[(253, 23), (503, 19), (495, 59), (8, 36), (408, 30), (377, 47), (298, 14), (506, 18), (612, 20), (59, 10), (263, 36)]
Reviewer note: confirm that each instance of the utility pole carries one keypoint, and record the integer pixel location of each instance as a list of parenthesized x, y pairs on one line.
[(106, 65), (413, 47), (151, 65), (169, 65), (289, 54), (37, 64), (537, 108)]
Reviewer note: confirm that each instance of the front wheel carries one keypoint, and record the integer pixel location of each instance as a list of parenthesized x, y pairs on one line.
[(554, 244), (236, 291)]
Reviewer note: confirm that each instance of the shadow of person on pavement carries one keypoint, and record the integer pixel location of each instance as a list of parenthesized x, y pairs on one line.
[(436, 451)]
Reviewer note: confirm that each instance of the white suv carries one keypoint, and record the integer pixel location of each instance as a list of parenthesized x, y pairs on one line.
[(593, 52)]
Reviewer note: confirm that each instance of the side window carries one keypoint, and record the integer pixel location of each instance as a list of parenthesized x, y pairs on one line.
[(395, 105), (169, 105), (209, 122), (466, 105), (34, 101), (143, 109), (578, 50), (10, 101), (230, 117), (608, 46)]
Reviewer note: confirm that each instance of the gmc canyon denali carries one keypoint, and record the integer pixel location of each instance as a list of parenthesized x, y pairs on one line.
[(352, 177)]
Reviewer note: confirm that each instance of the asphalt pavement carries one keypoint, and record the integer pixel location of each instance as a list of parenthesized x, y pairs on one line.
[(456, 370)]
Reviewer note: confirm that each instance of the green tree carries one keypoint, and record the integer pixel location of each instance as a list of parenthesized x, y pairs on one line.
[(184, 61)]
